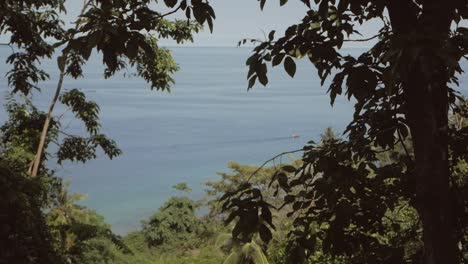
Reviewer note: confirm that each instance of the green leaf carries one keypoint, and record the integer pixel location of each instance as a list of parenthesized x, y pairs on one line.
[(265, 233), (290, 66), (283, 2), (283, 180), (234, 258), (131, 49), (263, 79), (200, 14), (252, 81), (307, 3), (210, 11), (210, 24), (289, 168), (278, 59), (251, 251), (323, 9), (289, 198), (183, 4), (271, 36), (170, 3), (315, 25), (61, 63)]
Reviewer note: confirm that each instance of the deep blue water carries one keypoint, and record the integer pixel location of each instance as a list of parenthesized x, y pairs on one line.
[(188, 135)]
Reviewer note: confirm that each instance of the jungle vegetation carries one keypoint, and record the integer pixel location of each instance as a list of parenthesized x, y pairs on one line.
[(392, 188)]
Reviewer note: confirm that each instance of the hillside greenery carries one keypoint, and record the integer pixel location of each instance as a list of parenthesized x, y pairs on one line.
[(178, 233)]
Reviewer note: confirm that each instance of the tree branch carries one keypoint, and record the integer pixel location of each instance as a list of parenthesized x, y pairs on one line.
[(9, 45), (171, 12), (66, 134), (362, 40), (400, 136), (272, 159)]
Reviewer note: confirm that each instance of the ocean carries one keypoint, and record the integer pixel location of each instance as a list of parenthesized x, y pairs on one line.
[(188, 135)]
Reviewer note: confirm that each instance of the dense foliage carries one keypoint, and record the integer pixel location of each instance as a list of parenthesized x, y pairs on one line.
[(175, 224), (403, 89), (392, 190), (41, 222), (23, 199), (126, 33), (177, 233)]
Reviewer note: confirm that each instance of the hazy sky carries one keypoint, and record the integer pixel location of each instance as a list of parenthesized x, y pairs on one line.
[(238, 19)]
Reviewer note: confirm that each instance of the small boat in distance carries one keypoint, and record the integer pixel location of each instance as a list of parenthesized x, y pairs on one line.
[(295, 135)]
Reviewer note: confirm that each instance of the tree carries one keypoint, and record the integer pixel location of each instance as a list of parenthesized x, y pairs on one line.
[(402, 87), (176, 223), (230, 182), (239, 251), (182, 187), (126, 33), (123, 31), (249, 253), (25, 236), (80, 232)]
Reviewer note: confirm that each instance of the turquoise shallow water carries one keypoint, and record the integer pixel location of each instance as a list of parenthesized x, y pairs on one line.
[(188, 135)]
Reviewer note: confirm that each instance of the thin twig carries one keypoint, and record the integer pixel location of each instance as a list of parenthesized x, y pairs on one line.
[(361, 40), (400, 136), (9, 45), (63, 114), (170, 13), (55, 142), (66, 134), (272, 159), (382, 150)]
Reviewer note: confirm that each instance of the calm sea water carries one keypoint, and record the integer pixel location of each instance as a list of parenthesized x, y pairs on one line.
[(188, 135)]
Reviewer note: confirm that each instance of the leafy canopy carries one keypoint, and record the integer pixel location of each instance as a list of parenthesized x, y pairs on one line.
[(343, 186)]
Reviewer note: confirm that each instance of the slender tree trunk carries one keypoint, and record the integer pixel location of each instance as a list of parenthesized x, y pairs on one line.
[(426, 96), (34, 167), (40, 149), (427, 114)]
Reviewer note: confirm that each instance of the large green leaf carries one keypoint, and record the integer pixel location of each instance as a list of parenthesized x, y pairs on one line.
[(170, 3), (290, 66)]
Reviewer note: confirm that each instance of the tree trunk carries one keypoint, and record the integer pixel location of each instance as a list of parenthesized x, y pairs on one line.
[(426, 105), (34, 168), (427, 113), (36, 162)]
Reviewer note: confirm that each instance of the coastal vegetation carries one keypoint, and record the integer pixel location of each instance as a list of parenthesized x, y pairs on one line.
[(184, 230), (404, 90), (392, 188)]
